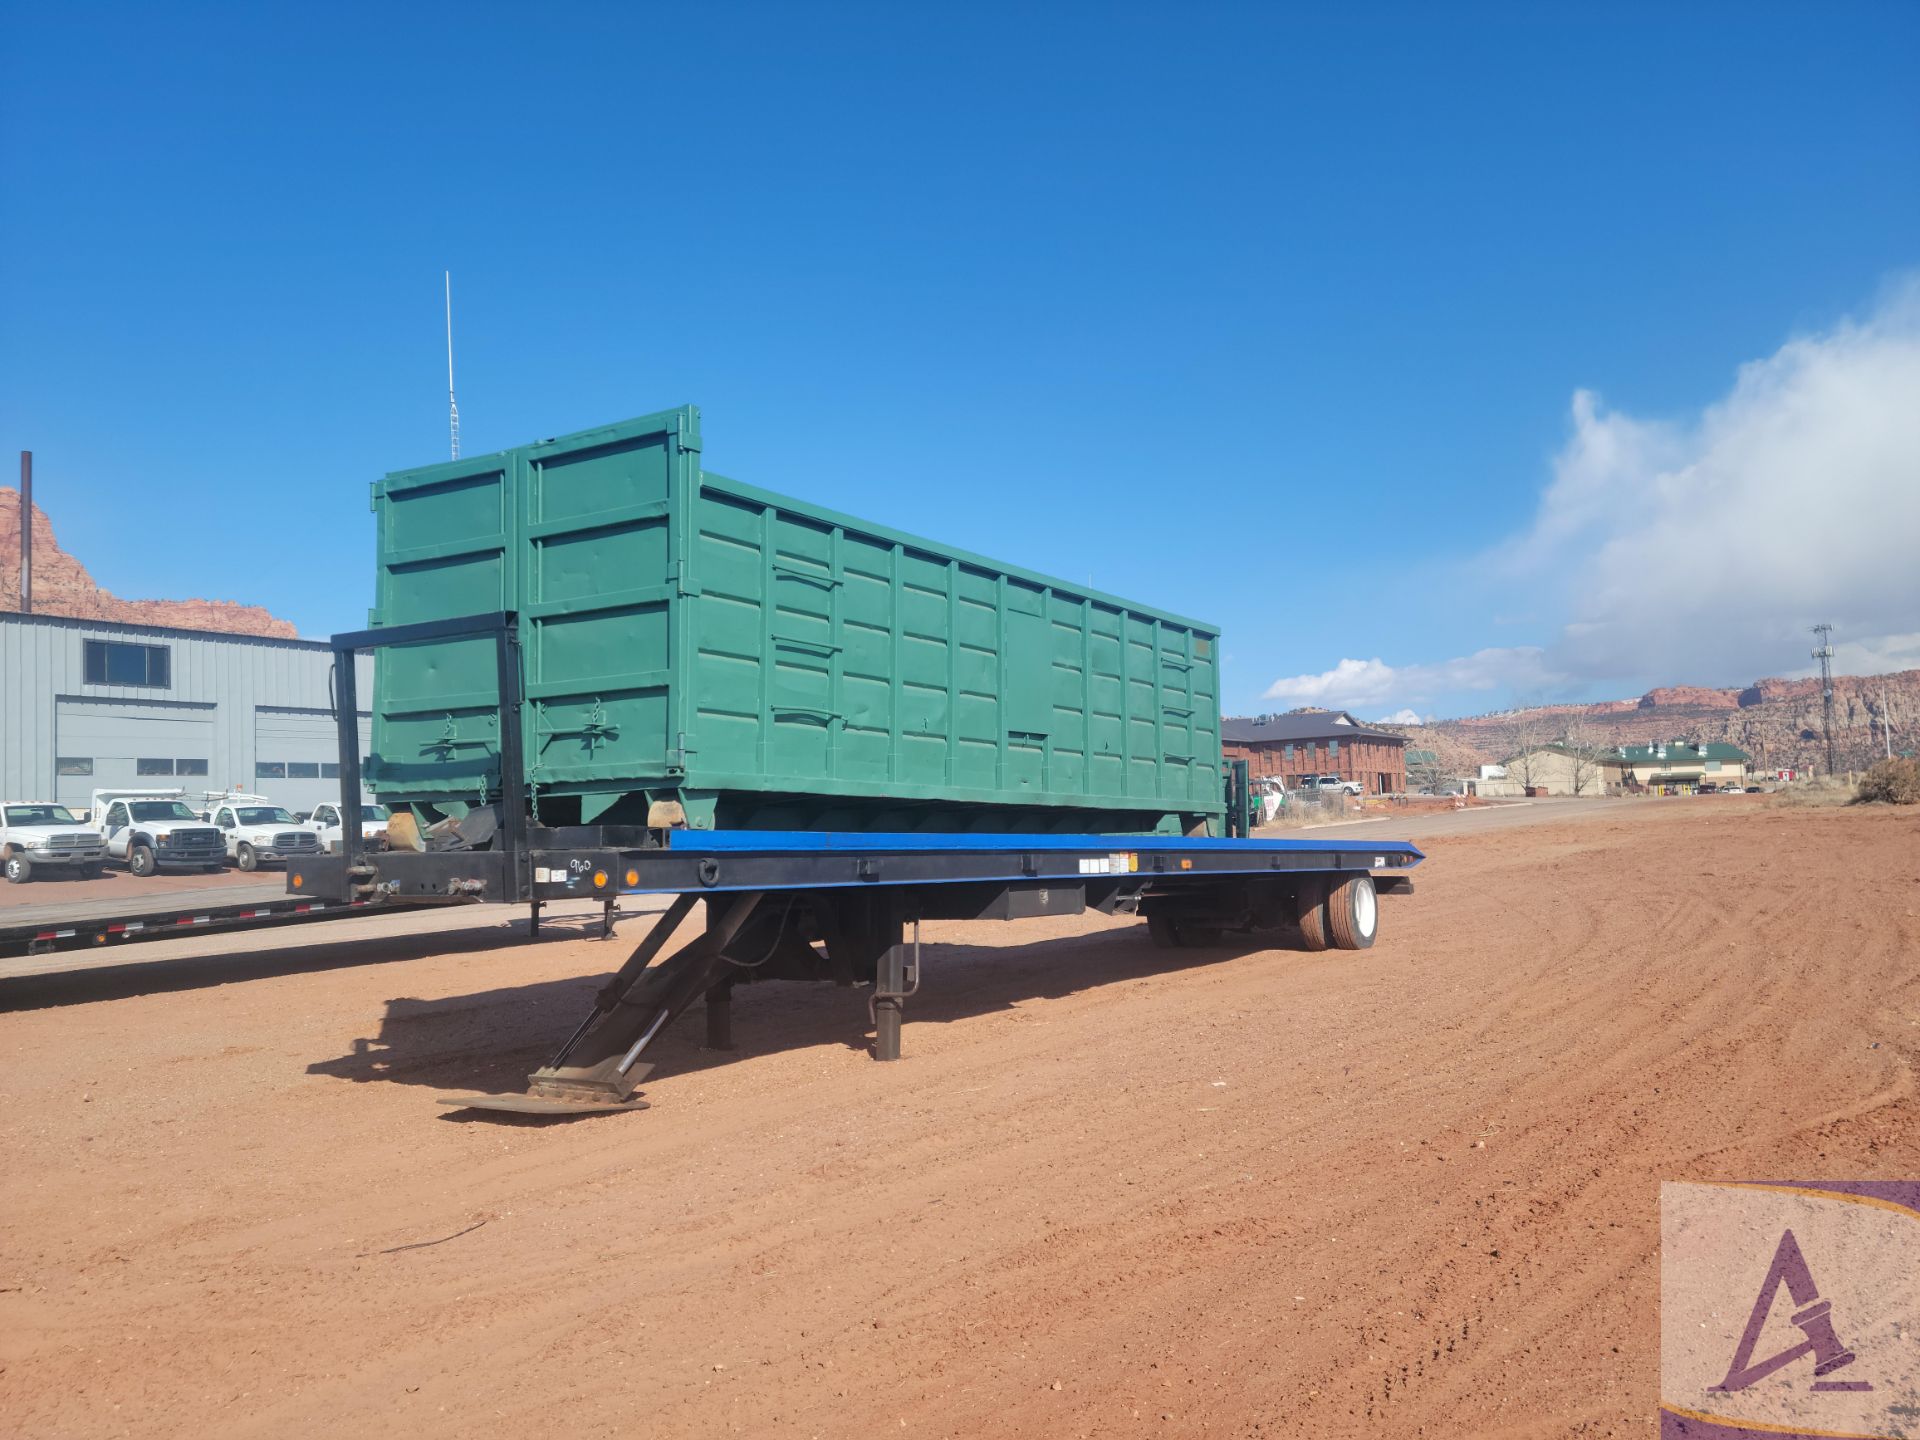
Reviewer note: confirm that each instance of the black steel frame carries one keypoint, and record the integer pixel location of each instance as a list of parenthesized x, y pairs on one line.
[(503, 626)]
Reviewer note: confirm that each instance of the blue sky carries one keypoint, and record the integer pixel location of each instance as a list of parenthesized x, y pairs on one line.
[(1279, 316)]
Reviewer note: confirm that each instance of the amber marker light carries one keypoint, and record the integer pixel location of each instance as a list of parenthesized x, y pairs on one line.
[(599, 879)]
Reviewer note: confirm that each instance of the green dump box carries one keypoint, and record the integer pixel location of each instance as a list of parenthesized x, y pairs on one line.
[(700, 652)]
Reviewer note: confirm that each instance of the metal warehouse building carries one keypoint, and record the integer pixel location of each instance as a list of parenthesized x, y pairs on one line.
[(92, 703)]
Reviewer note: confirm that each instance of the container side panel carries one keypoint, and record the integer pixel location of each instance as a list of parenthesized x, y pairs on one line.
[(730, 660), (597, 612), (444, 552), (976, 680), (805, 717), (867, 659)]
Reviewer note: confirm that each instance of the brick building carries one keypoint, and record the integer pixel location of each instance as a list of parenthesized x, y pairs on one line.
[(1323, 742)]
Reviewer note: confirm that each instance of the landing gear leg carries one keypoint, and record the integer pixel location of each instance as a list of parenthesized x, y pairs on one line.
[(896, 979), (599, 1067)]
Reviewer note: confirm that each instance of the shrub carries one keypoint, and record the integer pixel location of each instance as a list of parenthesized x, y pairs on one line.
[(1892, 782)]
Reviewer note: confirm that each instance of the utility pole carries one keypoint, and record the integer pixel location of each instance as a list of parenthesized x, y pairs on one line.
[(26, 532), (1823, 652)]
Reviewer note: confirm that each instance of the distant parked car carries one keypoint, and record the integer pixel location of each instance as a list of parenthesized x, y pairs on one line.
[(1755, 790), (1326, 784), (1706, 787)]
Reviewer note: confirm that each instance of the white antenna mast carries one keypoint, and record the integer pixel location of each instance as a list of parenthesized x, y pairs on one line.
[(453, 406)]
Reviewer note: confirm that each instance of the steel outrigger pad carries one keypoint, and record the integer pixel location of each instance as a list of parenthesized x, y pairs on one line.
[(539, 1104)]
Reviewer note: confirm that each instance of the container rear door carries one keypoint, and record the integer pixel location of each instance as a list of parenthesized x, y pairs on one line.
[(446, 550), (606, 515)]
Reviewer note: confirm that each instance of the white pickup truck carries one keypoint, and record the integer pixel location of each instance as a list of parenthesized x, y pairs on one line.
[(256, 830), (325, 822), (153, 830), (39, 835)]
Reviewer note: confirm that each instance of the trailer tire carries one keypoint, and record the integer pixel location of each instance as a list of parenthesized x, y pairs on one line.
[(140, 861), (1353, 913), (1310, 912), (19, 868), (245, 857)]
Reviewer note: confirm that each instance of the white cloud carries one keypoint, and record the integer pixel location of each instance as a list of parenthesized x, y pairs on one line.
[(1700, 549), (1405, 715), (1356, 684)]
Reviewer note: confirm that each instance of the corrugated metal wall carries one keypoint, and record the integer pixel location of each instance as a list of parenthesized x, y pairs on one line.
[(43, 660)]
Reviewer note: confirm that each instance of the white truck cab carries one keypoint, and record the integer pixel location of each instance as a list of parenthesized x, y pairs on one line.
[(40, 835), (256, 829), (325, 823), (151, 830)]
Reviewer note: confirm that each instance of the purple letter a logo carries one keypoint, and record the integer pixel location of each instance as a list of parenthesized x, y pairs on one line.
[(1789, 1268)]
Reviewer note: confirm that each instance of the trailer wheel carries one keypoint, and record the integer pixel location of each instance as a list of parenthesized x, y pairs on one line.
[(245, 857), (19, 869), (1310, 910), (1353, 913), (140, 861)]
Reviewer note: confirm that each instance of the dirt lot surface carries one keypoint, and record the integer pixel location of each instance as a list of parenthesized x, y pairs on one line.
[(1412, 1190)]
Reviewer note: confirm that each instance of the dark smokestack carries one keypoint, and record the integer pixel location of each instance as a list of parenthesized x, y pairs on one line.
[(26, 532)]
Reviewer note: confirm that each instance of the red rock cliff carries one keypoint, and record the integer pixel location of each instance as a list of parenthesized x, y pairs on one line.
[(62, 586)]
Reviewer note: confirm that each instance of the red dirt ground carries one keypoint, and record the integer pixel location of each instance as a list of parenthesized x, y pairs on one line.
[(1110, 1190)]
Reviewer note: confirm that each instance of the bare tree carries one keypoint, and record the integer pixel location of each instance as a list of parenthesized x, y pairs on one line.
[(1530, 732), (1584, 748)]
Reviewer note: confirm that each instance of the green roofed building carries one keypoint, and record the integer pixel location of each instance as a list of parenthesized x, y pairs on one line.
[(1669, 765)]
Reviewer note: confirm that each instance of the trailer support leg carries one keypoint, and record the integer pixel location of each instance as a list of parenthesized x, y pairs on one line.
[(890, 980), (896, 978), (599, 1067), (606, 921)]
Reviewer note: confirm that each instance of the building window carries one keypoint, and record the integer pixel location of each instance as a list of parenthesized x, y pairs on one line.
[(72, 765), (1333, 750), (270, 770), (111, 662), (153, 767), (303, 770), (1289, 752), (189, 767), (330, 770)]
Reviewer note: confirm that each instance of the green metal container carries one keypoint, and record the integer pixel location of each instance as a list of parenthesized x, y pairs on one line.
[(698, 651)]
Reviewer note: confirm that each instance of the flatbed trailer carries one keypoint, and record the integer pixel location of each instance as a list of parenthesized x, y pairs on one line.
[(83, 925), (842, 907)]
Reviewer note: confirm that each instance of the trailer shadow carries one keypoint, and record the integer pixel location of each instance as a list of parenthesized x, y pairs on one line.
[(289, 954), (492, 1040)]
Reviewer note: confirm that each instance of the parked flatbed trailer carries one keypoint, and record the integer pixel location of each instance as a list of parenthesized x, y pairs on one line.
[(839, 906), (80, 925), (846, 908)]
